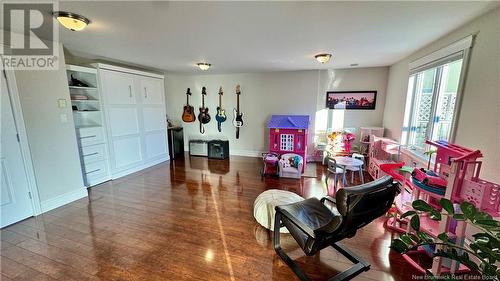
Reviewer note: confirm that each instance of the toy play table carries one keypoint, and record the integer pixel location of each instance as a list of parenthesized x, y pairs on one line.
[(345, 161)]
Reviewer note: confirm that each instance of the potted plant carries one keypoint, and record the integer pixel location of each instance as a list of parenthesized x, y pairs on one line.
[(483, 253)]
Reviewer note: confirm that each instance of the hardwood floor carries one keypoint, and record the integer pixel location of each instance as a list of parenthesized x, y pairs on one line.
[(188, 219)]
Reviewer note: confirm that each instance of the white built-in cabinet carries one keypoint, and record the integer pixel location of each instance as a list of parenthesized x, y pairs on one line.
[(86, 102), (134, 110)]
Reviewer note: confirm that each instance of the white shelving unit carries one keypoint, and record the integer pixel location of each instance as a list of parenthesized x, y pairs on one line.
[(90, 130)]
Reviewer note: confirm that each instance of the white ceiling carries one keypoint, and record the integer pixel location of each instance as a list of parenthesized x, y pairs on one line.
[(260, 36)]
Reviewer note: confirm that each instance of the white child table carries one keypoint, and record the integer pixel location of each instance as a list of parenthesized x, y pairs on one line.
[(345, 161)]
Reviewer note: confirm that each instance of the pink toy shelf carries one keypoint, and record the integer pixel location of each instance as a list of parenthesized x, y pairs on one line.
[(459, 167), (288, 134)]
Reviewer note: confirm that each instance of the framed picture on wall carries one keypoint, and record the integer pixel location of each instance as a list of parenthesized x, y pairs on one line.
[(351, 99)]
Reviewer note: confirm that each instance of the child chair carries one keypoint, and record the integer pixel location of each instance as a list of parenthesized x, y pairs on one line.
[(288, 169), (335, 170), (354, 169)]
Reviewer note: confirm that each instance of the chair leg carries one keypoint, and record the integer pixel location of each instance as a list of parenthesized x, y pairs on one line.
[(281, 253), (359, 266)]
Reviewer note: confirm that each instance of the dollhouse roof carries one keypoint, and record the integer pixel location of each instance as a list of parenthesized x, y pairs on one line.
[(289, 122)]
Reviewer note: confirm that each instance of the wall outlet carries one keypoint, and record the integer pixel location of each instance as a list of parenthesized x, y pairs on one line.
[(61, 103), (64, 118)]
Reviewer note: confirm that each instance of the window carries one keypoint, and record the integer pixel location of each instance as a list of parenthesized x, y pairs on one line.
[(286, 143), (433, 95)]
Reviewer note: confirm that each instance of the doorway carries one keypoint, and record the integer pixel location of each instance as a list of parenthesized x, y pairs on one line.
[(16, 197)]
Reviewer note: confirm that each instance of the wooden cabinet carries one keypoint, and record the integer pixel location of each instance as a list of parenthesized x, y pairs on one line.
[(134, 107)]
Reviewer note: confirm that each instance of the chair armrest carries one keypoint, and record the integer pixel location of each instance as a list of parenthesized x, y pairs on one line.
[(329, 199), (297, 223)]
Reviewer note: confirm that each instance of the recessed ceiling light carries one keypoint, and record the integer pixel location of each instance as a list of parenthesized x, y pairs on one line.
[(323, 58), (354, 64), (71, 21), (203, 65)]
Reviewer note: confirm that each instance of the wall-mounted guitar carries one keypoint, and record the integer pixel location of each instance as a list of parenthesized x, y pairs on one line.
[(221, 113), (188, 112), (237, 115), (203, 116)]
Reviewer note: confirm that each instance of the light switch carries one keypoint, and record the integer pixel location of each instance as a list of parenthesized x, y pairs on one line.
[(61, 103), (64, 118)]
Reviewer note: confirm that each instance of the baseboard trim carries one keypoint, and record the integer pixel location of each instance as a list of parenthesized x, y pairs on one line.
[(241, 152), (63, 199), (140, 167)]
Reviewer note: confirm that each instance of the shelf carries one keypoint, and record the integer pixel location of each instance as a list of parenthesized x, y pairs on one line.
[(91, 100), (88, 126), (85, 111), (82, 88)]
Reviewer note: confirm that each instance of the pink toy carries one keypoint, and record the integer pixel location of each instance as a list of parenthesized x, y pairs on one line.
[(288, 134), (458, 169), (428, 178)]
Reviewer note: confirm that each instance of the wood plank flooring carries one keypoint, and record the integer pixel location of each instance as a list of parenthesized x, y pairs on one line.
[(188, 219)]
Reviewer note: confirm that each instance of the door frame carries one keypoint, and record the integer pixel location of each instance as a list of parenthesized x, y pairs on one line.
[(23, 138)]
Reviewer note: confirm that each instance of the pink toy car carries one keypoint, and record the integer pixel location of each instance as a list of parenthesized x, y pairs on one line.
[(428, 178)]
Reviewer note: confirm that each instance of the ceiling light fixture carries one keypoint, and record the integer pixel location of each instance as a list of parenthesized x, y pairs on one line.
[(203, 65), (323, 58), (71, 21)]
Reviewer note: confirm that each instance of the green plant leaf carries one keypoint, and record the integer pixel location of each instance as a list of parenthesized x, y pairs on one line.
[(406, 239), (435, 215), (415, 223), (443, 237), (488, 223), (447, 205), (421, 205), (469, 210), (399, 246), (483, 216), (407, 214)]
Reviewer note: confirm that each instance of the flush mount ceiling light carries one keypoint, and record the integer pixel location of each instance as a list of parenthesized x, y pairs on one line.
[(203, 65), (71, 21), (323, 58)]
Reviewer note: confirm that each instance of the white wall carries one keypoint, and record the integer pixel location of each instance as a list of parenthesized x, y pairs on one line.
[(479, 119), (52, 143), (264, 94)]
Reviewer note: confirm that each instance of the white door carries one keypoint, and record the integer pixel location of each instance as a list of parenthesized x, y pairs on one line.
[(152, 90), (15, 198), (118, 87)]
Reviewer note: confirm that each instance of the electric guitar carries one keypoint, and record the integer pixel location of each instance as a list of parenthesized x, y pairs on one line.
[(221, 113), (188, 112), (203, 116), (237, 115)]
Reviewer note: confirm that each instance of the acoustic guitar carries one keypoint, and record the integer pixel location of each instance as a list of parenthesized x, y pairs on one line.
[(221, 113), (203, 116), (188, 112), (237, 115)]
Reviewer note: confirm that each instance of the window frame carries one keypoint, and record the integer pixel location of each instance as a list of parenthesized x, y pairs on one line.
[(456, 51)]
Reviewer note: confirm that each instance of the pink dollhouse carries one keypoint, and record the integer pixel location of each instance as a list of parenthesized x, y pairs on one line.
[(288, 134)]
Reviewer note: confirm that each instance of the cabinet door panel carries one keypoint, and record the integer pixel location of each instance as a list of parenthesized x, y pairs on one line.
[(127, 151), (156, 144), (123, 121), (154, 119), (152, 90), (118, 87)]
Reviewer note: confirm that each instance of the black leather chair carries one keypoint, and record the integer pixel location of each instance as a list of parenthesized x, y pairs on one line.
[(314, 226)]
